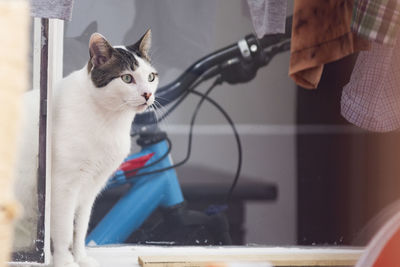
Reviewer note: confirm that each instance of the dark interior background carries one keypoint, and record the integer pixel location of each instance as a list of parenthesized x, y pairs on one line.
[(346, 180)]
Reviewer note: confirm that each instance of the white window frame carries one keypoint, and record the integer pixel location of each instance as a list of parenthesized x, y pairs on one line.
[(48, 37), (153, 255)]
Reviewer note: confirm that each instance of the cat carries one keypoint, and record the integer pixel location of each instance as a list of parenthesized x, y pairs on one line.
[(92, 112)]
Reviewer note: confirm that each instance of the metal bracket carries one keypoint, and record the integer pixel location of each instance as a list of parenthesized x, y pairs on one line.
[(244, 49)]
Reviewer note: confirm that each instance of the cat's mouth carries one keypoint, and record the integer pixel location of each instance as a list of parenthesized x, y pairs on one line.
[(142, 107), (136, 106)]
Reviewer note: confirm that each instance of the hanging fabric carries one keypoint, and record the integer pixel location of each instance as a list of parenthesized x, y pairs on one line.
[(52, 9), (371, 100), (268, 16), (320, 34), (377, 20)]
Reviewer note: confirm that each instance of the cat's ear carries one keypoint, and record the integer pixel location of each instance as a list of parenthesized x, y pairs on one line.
[(100, 50), (143, 45)]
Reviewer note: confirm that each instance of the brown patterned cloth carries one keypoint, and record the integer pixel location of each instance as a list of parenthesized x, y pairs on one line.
[(371, 100), (320, 34)]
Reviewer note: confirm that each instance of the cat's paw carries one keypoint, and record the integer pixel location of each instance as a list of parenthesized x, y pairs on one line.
[(88, 262)]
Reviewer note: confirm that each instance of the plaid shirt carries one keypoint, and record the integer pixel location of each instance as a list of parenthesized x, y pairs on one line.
[(371, 99), (377, 20)]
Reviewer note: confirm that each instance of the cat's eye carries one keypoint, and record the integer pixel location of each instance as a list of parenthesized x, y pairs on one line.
[(127, 78), (152, 77)]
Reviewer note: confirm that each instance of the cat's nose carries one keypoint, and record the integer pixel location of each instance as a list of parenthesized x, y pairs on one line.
[(146, 96)]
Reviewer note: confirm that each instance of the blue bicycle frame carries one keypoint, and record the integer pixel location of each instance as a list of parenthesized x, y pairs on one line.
[(148, 192)]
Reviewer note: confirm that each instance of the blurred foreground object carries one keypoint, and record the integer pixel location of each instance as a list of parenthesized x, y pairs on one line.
[(14, 22), (383, 249)]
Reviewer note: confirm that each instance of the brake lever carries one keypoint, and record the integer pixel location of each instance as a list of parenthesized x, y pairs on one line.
[(243, 69), (268, 55)]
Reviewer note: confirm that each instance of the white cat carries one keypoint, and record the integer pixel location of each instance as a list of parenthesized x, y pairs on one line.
[(92, 113)]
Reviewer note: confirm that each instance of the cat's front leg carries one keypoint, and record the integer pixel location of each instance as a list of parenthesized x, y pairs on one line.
[(62, 220), (81, 225)]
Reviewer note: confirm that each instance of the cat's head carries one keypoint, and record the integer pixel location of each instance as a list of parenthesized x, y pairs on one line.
[(123, 76)]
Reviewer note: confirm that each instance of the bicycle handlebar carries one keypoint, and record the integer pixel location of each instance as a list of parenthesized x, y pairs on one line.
[(173, 90), (245, 56)]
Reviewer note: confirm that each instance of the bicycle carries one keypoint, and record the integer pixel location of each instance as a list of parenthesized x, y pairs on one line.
[(150, 173)]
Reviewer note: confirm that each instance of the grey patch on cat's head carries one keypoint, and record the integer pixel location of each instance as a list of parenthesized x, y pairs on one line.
[(107, 63)]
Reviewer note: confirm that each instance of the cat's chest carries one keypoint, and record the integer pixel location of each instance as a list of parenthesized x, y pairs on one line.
[(93, 147), (99, 158), (108, 147), (105, 159)]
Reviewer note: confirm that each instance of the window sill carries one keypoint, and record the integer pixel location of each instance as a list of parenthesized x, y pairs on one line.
[(153, 256)]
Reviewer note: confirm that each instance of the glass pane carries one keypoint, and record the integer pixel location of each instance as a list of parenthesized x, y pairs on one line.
[(183, 32), (29, 229)]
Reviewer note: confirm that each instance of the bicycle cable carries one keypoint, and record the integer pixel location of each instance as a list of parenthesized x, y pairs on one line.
[(229, 120), (191, 89), (189, 150), (154, 162), (204, 97), (177, 103), (238, 143), (206, 75)]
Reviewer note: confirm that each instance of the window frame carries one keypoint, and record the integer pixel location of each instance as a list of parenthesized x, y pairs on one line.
[(47, 70)]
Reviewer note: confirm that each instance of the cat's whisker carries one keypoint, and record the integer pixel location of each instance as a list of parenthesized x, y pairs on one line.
[(156, 112), (160, 106), (162, 98), (163, 111), (160, 109), (154, 109), (157, 105)]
